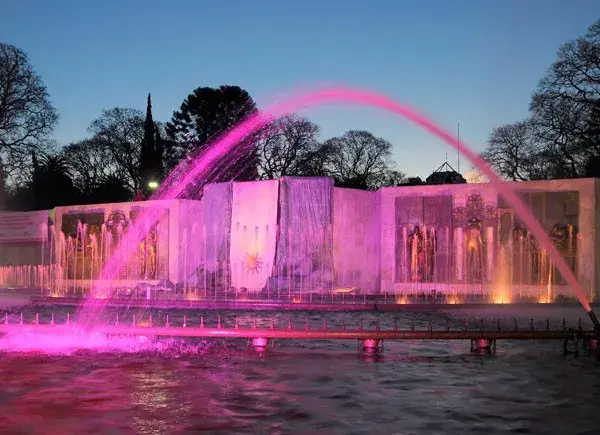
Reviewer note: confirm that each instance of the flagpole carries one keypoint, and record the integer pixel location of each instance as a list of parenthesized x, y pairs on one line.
[(458, 149)]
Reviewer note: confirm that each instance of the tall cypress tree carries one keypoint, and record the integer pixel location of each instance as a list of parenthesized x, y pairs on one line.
[(149, 163)]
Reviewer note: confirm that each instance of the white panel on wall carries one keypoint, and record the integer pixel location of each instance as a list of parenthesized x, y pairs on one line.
[(253, 233)]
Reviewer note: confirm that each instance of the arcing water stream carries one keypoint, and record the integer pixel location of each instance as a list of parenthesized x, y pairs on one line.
[(192, 172)]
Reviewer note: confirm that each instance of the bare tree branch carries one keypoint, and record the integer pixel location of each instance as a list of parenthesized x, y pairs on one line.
[(286, 147), (120, 131), (26, 114)]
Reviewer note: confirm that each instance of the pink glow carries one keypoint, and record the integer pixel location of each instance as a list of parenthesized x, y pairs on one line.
[(193, 173), (60, 340)]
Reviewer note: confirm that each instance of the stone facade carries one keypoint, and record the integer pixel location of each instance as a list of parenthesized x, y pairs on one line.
[(310, 236)]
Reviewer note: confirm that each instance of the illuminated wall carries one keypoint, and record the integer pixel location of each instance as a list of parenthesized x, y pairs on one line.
[(356, 238), (253, 233), (302, 234)]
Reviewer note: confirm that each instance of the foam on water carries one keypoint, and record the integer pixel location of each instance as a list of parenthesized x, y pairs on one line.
[(68, 342), (79, 339)]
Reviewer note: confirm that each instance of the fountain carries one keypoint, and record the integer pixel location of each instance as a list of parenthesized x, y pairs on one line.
[(277, 240), (452, 239), (447, 240)]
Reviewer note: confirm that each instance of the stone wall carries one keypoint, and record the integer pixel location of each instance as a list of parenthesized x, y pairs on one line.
[(24, 254), (253, 233), (317, 237), (305, 239), (159, 248), (189, 251), (216, 212), (481, 218), (356, 239)]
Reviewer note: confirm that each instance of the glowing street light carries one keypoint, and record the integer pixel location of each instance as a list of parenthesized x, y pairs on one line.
[(153, 185)]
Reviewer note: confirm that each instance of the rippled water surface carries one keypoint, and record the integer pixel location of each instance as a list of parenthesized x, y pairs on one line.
[(185, 387)]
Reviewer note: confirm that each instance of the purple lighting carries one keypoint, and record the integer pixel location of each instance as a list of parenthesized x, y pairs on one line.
[(193, 173)]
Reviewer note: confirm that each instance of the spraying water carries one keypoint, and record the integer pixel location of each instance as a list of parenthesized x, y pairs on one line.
[(193, 173)]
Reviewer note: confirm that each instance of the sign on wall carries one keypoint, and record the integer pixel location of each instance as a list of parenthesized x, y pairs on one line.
[(28, 226)]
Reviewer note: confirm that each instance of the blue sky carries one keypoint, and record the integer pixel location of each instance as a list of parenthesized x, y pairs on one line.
[(470, 61)]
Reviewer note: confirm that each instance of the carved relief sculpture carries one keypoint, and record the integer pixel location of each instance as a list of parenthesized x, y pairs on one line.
[(564, 238), (116, 224), (474, 245), (146, 256), (151, 252), (93, 249), (421, 254)]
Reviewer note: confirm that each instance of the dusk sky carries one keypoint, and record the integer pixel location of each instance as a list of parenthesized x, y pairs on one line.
[(470, 61)]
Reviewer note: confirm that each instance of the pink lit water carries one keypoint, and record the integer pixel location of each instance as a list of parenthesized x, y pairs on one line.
[(90, 384), (194, 173), (171, 387)]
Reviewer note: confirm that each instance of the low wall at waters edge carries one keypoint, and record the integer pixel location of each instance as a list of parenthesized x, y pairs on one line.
[(300, 235)]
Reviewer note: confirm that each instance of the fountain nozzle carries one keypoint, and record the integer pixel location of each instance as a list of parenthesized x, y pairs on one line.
[(595, 321)]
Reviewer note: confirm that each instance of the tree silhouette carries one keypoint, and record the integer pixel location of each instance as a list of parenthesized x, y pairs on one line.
[(51, 183), (151, 153), (562, 134), (360, 160), (110, 188), (511, 150), (120, 131), (288, 147), (26, 115), (89, 162), (205, 115)]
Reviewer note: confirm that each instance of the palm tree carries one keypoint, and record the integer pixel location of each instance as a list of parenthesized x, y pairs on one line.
[(51, 183)]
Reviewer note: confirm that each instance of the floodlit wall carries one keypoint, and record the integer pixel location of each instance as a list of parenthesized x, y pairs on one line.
[(356, 239), (24, 238), (452, 210), (253, 233), (164, 246), (216, 212), (302, 234), (596, 228), (305, 240), (189, 252)]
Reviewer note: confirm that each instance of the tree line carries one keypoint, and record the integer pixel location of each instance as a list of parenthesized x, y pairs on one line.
[(127, 153), (561, 136)]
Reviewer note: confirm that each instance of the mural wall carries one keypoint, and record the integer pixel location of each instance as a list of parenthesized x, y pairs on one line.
[(253, 233), (423, 239), (302, 234), (475, 227), (558, 213), (88, 238)]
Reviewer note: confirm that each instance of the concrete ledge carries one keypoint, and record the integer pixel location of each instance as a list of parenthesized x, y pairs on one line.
[(281, 306)]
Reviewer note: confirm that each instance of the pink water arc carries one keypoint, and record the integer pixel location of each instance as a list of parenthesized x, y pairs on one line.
[(189, 173)]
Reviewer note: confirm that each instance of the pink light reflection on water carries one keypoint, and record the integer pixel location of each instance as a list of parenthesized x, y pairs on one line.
[(188, 173), (66, 342)]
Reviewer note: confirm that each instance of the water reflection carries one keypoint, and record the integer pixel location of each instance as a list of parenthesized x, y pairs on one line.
[(312, 387)]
